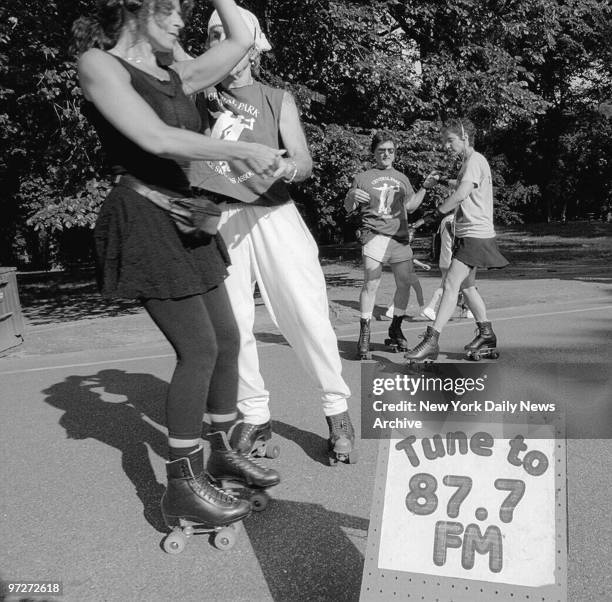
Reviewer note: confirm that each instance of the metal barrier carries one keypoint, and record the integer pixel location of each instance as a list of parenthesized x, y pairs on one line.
[(12, 326)]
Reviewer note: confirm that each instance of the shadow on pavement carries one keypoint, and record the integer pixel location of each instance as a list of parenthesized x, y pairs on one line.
[(305, 553), (270, 337), (110, 407), (69, 300), (313, 445)]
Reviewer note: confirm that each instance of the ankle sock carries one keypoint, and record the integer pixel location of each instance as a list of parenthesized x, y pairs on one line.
[(222, 426), (176, 453)]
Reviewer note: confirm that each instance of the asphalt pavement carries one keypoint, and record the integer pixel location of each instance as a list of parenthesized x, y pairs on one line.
[(83, 444)]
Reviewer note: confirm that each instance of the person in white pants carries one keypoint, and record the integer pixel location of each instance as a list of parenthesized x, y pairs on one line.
[(269, 244)]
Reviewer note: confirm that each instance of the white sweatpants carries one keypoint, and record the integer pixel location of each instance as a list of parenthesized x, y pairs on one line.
[(273, 247)]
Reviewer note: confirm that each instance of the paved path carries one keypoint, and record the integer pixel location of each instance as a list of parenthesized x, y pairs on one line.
[(82, 439)]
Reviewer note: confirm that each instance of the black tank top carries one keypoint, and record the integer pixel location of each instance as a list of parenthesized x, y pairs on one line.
[(173, 107)]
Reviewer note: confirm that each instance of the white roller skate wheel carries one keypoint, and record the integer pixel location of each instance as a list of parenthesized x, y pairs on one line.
[(174, 543), (225, 539), (272, 451)]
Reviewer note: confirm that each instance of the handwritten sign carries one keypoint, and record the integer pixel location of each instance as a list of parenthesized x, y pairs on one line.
[(468, 513)]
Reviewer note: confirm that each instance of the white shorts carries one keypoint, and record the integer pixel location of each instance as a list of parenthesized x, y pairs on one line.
[(386, 250), (446, 251)]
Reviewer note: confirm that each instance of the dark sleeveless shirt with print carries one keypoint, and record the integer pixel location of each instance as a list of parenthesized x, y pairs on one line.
[(140, 253)]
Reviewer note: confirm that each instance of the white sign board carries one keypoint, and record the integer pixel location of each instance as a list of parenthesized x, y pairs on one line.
[(468, 513)]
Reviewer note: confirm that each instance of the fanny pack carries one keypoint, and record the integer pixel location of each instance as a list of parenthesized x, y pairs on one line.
[(193, 216), (365, 235)]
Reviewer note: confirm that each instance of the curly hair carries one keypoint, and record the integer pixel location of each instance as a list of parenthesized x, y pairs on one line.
[(102, 29), (380, 137)]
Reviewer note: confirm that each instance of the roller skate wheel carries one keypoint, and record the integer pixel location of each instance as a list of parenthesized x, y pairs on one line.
[(174, 543), (353, 457), (272, 451), (259, 451), (474, 356), (259, 501), (225, 539), (333, 461), (494, 355)]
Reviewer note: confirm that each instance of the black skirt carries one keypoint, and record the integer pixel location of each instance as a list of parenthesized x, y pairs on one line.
[(141, 255), (479, 253)]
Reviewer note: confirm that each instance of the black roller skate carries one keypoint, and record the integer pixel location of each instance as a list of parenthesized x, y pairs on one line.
[(254, 439), (397, 341), (341, 439), (484, 344), (192, 504), (427, 350), (238, 473), (363, 345)]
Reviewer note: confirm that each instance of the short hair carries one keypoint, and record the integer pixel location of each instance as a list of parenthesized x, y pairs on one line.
[(461, 127), (379, 138)]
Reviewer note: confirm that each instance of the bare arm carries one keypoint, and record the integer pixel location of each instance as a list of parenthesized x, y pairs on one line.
[(415, 200), (297, 166), (215, 64), (355, 197), (420, 264), (107, 84), (452, 202)]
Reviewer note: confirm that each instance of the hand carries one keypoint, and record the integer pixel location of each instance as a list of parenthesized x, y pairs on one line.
[(361, 197), (423, 266), (432, 179), (287, 169), (263, 160)]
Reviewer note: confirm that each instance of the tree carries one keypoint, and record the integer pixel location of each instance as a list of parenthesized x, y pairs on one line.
[(531, 73)]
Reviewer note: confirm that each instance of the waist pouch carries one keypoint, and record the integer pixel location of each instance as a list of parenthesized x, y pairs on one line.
[(365, 235), (192, 216)]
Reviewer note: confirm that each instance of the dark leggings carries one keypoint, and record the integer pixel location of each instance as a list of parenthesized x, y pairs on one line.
[(203, 332)]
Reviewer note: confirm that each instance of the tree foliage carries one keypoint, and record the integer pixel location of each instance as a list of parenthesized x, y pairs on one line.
[(530, 73)]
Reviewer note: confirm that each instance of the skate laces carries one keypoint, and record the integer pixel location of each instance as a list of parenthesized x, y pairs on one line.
[(424, 340), (245, 433), (243, 459), (340, 423), (217, 493)]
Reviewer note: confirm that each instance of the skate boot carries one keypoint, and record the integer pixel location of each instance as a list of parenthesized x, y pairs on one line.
[(254, 439), (363, 345), (192, 503), (484, 344), (427, 349), (397, 341), (341, 439), (238, 473)]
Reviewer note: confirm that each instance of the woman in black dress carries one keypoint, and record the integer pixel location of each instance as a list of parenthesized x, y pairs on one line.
[(148, 129)]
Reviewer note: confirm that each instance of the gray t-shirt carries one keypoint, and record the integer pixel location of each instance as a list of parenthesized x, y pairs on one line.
[(475, 213)]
